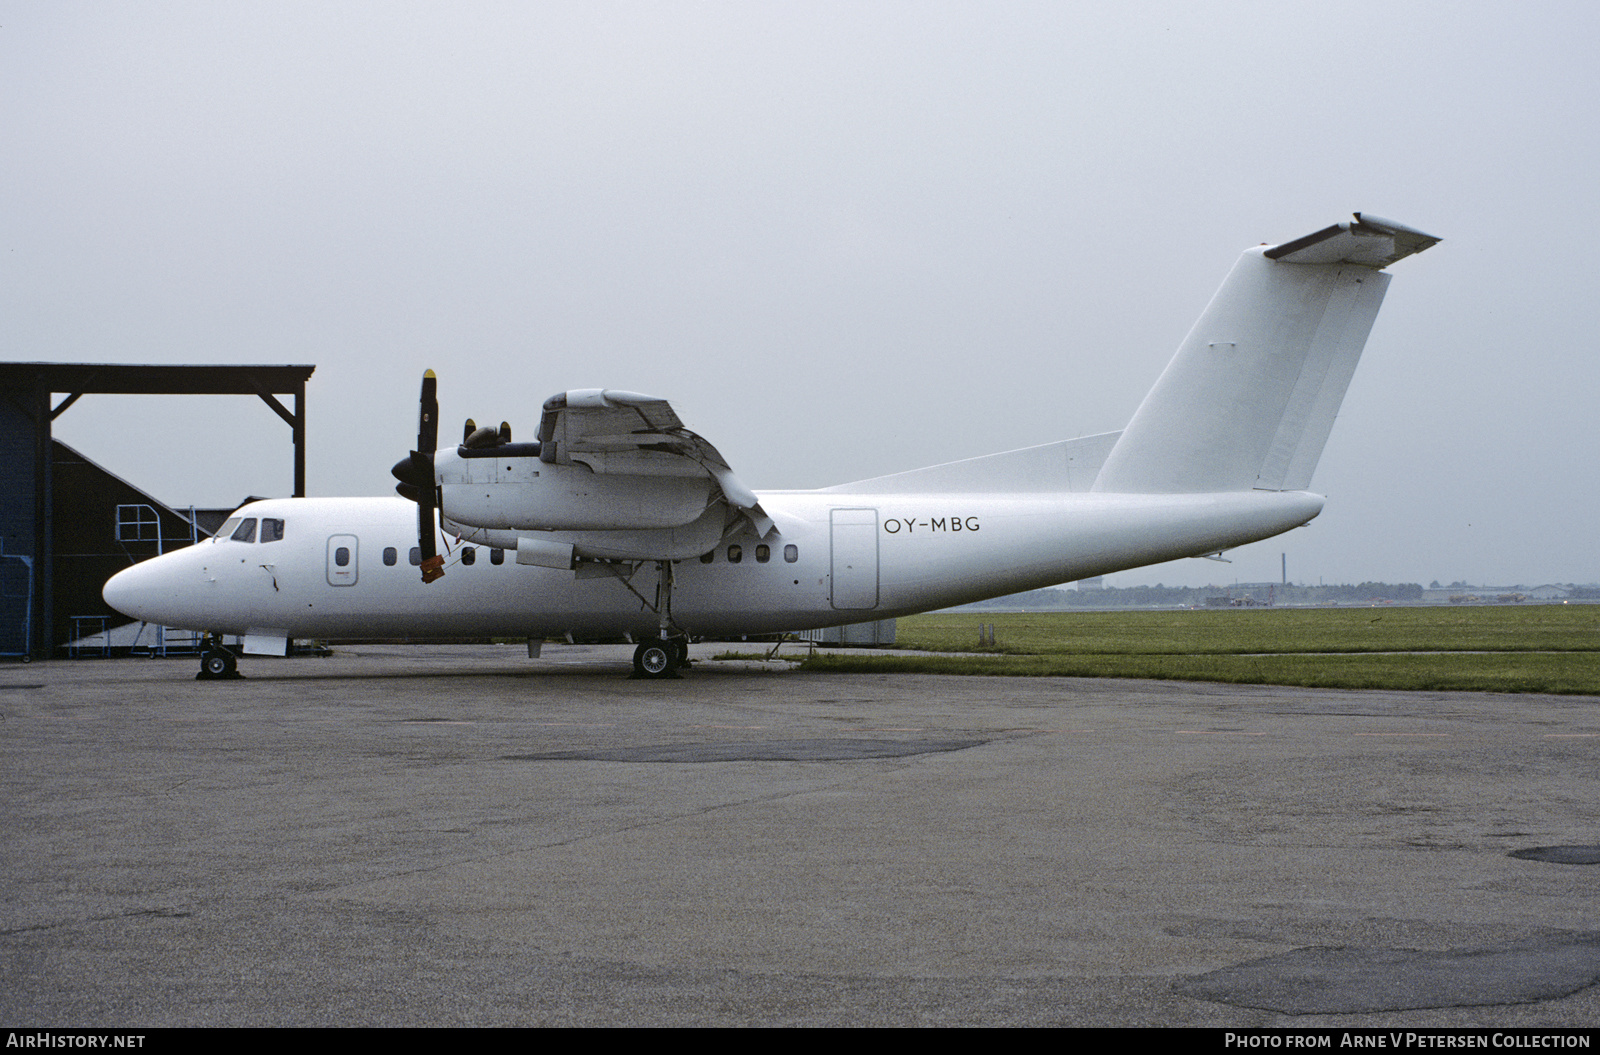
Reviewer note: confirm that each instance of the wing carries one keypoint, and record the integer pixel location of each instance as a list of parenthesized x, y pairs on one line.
[(612, 432)]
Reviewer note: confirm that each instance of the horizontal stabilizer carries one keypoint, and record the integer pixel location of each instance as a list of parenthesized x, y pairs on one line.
[(1367, 241)]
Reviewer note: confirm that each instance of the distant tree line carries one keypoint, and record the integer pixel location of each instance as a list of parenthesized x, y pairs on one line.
[(1160, 596)]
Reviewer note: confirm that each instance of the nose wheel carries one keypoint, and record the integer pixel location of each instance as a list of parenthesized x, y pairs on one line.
[(217, 662)]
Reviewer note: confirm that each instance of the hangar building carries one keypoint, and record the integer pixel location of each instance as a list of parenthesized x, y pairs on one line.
[(66, 524)]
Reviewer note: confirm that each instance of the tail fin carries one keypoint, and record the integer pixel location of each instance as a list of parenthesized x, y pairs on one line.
[(1250, 398)]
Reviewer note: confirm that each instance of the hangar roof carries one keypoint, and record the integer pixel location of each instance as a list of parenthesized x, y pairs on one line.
[(162, 379)]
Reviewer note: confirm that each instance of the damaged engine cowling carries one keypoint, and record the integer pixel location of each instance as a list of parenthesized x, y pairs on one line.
[(615, 476)]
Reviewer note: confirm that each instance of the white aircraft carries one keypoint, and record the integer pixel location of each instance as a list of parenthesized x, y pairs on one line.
[(623, 523)]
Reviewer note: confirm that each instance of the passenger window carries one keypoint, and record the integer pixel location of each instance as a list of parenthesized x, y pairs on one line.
[(763, 554), (391, 556), (469, 556), (497, 556), (341, 556), (271, 529), (245, 532), (416, 556), (707, 558), (791, 553), (735, 554)]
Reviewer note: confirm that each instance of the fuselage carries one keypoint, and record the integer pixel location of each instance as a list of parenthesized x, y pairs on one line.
[(619, 520), (342, 567)]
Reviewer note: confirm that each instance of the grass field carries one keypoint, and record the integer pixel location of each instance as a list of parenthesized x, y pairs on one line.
[(1503, 648)]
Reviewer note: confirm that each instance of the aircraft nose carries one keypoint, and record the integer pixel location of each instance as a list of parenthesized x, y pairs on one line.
[(131, 591)]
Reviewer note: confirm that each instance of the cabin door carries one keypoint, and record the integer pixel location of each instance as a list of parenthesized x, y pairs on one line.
[(855, 559), (342, 553)]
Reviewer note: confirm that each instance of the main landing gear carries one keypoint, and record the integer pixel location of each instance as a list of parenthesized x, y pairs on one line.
[(217, 661), (662, 656), (659, 658)]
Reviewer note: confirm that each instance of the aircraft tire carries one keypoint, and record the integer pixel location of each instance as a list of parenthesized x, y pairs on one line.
[(655, 658), (218, 663)]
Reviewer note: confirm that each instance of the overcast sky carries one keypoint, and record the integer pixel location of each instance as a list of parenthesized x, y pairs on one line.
[(844, 239)]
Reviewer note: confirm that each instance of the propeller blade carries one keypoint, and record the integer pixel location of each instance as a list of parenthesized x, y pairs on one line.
[(428, 422), (427, 534), (415, 473)]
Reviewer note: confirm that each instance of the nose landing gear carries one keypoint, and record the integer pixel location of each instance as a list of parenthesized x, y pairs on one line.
[(217, 661)]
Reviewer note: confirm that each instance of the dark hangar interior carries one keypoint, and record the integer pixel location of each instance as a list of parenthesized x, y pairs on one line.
[(67, 524)]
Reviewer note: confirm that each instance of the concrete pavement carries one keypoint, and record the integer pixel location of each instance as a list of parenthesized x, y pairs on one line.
[(461, 835)]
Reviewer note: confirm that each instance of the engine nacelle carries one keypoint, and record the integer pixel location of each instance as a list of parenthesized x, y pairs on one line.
[(510, 493), (558, 549)]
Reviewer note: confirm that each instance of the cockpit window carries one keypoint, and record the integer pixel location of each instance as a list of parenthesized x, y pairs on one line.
[(245, 532), (271, 529), (226, 529)]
